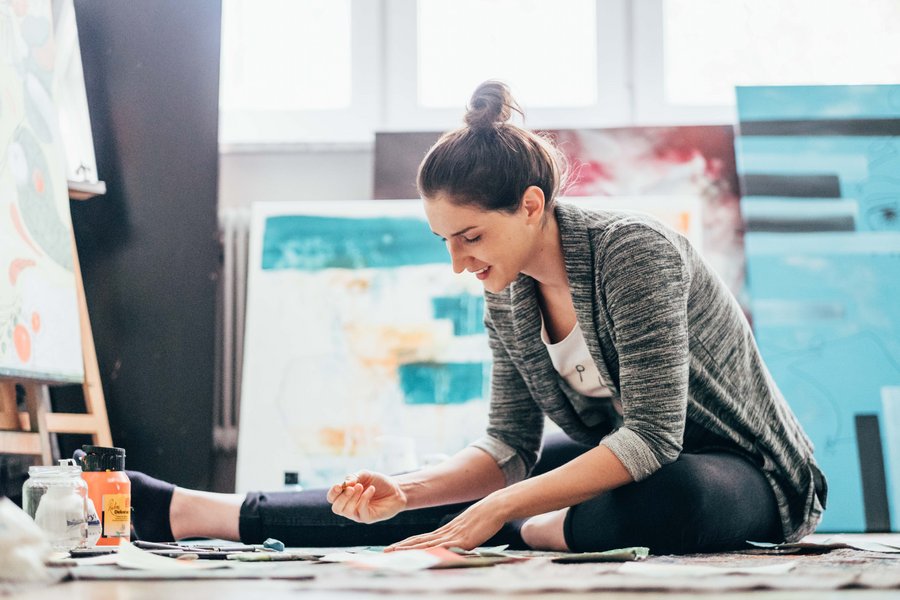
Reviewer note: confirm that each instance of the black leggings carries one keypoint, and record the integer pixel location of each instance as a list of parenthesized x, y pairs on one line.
[(704, 502)]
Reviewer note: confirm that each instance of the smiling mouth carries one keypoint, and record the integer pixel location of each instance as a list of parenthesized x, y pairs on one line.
[(482, 273)]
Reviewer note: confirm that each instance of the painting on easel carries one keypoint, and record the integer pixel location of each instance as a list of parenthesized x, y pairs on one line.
[(40, 335)]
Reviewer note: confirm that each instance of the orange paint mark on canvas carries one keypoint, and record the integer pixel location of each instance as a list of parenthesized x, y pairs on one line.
[(22, 342), (35, 322), (332, 438), (359, 285), (684, 222), (17, 266), (344, 441), (17, 223), (386, 347), (37, 178)]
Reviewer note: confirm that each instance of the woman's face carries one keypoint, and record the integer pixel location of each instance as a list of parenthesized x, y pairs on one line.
[(495, 246)]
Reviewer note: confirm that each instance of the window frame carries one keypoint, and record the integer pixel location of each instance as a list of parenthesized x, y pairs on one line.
[(630, 76)]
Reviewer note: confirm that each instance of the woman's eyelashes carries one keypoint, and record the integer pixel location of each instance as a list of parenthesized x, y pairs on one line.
[(466, 240)]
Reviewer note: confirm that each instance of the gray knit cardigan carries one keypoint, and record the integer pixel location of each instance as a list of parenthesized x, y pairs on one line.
[(671, 340)]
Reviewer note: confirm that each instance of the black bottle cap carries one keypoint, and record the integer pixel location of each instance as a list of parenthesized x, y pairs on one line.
[(102, 458)]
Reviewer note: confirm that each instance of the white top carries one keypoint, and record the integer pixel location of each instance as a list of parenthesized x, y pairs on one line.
[(572, 360)]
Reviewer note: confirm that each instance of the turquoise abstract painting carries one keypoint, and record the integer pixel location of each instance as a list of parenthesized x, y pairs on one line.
[(819, 167), (363, 348)]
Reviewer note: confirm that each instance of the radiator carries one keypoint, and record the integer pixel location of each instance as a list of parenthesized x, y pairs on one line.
[(234, 235)]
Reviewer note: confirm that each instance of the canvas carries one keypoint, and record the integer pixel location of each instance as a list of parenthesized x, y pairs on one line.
[(40, 336), (818, 168), (363, 349)]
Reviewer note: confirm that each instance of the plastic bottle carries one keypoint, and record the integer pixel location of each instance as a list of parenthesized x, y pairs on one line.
[(109, 489)]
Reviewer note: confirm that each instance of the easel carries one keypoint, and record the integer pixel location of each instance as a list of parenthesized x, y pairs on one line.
[(29, 432)]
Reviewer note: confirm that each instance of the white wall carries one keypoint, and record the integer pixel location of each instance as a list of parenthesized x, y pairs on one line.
[(313, 173)]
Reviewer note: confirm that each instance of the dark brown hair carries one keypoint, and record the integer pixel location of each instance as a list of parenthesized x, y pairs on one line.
[(490, 162)]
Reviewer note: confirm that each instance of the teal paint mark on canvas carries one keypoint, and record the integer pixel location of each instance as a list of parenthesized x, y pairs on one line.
[(314, 243), (466, 311), (441, 383)]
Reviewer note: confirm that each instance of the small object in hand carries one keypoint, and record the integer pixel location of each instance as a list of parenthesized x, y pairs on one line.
[(273, 544)]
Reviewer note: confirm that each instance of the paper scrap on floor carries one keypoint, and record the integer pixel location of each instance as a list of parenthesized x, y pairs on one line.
[(663, 570), (130, 557)]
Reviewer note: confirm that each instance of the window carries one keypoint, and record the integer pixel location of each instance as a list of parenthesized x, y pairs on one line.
[(692, 53), (297, 70), (565, 60), (548, 55), (267, 49)]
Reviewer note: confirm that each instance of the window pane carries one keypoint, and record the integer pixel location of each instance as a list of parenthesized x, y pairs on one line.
[(712, 45), (546, 50), (285, 54)]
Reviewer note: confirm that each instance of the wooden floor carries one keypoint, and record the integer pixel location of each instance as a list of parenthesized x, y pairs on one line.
[(273, 589)]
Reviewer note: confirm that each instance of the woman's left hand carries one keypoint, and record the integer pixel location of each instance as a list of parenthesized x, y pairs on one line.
[(468, 530)]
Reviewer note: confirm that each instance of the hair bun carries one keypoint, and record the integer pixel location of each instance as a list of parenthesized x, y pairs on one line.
[(491, 105)]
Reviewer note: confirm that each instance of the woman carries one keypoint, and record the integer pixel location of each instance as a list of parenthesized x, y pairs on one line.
[(615, 328)]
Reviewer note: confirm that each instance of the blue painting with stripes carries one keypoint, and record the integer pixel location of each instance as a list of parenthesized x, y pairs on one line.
[(819, 168)]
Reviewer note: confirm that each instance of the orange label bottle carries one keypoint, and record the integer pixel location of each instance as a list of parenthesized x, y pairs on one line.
[(110, 491)]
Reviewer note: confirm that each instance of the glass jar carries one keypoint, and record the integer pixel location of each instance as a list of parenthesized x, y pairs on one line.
[(55, 498)]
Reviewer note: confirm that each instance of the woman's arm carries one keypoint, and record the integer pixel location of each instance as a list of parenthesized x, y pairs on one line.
[(369, 497), (469, 474), (587, 476), (647, 287)]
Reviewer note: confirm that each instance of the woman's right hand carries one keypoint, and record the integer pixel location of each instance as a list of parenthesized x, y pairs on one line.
[(367, 497)]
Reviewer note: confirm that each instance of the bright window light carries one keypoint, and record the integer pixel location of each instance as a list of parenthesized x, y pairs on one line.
[(546, 50), (712, 45), (286, 55)]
